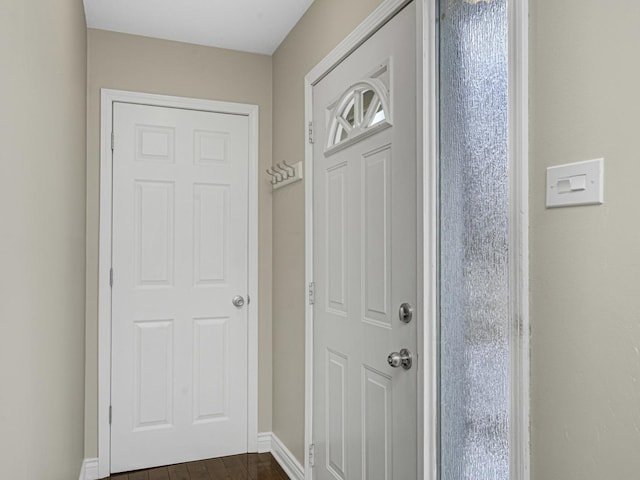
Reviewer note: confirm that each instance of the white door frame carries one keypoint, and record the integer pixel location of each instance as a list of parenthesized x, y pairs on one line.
[(427, 196), (108, 97)]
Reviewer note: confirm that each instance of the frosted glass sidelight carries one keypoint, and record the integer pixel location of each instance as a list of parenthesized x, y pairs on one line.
[(474, 239)]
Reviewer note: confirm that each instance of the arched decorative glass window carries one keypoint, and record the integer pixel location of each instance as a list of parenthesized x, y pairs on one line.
[(361, 111)]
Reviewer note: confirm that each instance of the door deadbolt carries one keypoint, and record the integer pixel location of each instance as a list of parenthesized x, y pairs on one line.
[(402, 358), (405, 313)]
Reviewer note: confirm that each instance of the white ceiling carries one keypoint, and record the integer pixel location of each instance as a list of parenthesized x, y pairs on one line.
[(257, 26)]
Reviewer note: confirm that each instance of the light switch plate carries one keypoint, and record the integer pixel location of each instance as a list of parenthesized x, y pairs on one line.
[(580, 183)]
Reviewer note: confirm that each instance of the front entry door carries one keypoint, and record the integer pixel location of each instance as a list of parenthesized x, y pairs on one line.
[(179, 344), (365, 423)]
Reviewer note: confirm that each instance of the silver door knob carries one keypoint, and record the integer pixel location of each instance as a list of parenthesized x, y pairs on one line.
[(402, 358), (238, 301)]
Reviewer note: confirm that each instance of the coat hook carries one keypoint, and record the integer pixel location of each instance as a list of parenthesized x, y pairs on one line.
[(289, 167), (279, 176), (284, 173), (275, 177)]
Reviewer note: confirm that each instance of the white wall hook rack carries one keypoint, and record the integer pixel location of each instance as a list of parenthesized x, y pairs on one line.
[(283, 174)]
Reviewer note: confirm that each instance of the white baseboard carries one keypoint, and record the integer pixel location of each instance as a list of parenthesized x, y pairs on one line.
[(269, 442), (264, 442), (89, 469)]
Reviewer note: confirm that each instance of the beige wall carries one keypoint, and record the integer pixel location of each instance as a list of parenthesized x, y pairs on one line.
[(42, 203), (128, 62), (585, 265), (324, 25)]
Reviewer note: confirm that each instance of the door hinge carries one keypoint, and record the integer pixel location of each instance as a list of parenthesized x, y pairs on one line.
[(110, 414), (312, 293), (111, 277), (311, 132), (113, 140), (312, 455)]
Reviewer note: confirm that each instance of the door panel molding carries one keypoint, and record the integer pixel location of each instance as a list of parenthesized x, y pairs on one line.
[(108, 97)]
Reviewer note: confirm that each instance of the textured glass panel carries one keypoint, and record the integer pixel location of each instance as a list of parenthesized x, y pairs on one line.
[(474, 288)]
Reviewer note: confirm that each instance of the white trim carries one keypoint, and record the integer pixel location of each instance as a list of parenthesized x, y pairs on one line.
[(89, 469), (268, 442), (264, 442), (519, 237), (286, 459), (427, 176), (104, 290), (308, 269), (381, 15), (385, 12), (253, 262)]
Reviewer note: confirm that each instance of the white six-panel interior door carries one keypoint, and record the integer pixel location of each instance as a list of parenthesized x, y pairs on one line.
[(365, 423), (179, 369)]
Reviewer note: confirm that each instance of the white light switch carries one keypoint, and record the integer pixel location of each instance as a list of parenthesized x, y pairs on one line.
[(578, 183), (572, 184)]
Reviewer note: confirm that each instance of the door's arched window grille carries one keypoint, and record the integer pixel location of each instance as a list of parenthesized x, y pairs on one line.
[(361, 111)]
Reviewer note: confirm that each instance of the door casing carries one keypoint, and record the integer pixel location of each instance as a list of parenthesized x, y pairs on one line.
[(427, 218), (108, 97)]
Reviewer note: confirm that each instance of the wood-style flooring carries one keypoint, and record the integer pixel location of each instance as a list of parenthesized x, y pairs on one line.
[(251, 466)]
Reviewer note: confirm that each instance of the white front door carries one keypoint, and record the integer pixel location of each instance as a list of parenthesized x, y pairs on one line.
[(365, 423), (179, 344)]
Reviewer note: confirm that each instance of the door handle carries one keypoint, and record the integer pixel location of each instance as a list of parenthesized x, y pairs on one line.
[(238, 301), (402, 358)]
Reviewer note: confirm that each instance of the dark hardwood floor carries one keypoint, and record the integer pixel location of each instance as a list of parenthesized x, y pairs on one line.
[(251, 466)]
